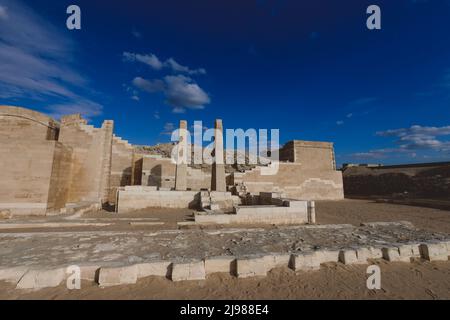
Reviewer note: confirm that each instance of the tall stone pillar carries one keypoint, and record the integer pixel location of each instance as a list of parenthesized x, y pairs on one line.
[(218, 182), (106, 158), (182, 157)]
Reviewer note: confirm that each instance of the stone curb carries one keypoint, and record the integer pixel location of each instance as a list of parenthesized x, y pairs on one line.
[(241, 267)]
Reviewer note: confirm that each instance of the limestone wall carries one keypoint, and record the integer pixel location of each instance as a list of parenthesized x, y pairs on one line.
[(21, 123), (91, 159), (295, 181), (25, 181), (61, 177), (160, 172), (311, 154), (31, 160), (135, 198), (121, 166)]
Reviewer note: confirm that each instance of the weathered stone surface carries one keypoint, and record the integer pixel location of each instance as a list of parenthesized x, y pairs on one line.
[(363, 254), (89, 272), (156, 268), (326, 256), (306, 261), (118, 276), (392, 254), (38, 279), (12, 274), (277, 260), (251, 267), (408, 251), (188, 271), (434, 251), (349, 256), (220, 264)]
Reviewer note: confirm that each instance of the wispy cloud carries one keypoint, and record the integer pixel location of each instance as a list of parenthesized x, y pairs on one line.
[(411, 141), (181, 92), (36, 61), (155, 63), (169, 127), (149, 59), (176, 67), (419, 137), (150, 86)]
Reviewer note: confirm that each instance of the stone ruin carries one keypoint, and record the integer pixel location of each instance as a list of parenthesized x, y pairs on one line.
[(52, 167), (69, 167)]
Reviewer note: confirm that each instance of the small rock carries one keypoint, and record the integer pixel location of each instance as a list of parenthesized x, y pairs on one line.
[(5, 214)]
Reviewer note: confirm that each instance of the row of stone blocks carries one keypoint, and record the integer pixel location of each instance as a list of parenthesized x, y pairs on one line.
[(252, 266)]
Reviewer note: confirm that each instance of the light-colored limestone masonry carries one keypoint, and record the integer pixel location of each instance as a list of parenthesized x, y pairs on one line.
[(49, 166)]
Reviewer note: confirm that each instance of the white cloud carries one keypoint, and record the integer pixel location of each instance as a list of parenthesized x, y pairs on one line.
[(340, 122), (148, 59), (176, 67), (135, 98), (150, 86), (155, 63), (37, 61), (181, 92), (419, 137), (410, 141)]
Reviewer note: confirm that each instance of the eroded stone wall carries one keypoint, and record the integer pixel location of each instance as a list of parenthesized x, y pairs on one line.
[(312, 155), (295, 181), (160, 172), (31, 162), (91, 158)]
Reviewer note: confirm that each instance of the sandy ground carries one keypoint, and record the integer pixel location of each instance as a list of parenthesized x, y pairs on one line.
[(357, 211), (417, 280)]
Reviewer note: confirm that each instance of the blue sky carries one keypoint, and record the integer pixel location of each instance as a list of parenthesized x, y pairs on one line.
[(309, 68)]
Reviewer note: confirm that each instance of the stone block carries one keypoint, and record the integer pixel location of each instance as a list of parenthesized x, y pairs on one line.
[(221, 264), (434, 251), (155, 268), (326, 256), (277, 260), (251, 267), (38, 279), (13, 274), (408, 251), (306, 261), (348, 256), (118, 276), (392, 254), (89, 273), (188, 271)]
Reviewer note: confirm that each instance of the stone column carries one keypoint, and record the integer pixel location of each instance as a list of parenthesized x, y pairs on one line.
[(105, 178), (218, 182), (182, 156)]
